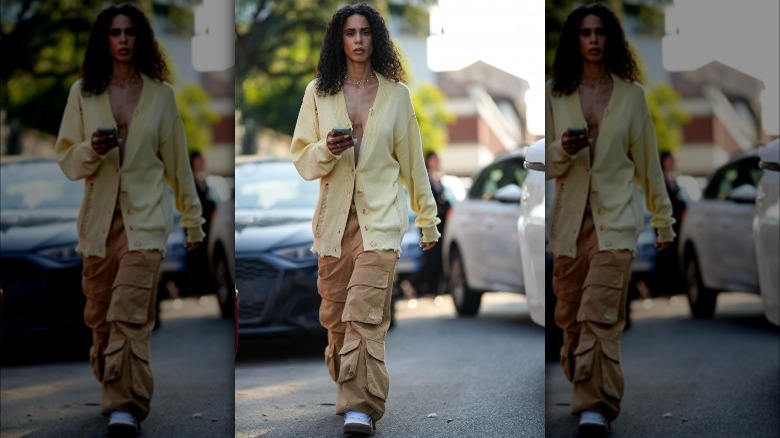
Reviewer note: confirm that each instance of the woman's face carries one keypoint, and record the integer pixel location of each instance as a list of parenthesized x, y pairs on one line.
[(593, 39), (121, 39), (356, 37)]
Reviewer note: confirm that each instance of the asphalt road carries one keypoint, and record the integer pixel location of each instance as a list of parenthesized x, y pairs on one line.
[(689, 378), (449, 377), (192, 360)]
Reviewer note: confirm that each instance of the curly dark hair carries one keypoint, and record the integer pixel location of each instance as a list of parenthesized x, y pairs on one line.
[(567, 66), (332, 65), (97, 66)]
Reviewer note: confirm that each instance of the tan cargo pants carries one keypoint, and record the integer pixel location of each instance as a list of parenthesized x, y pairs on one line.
[(355, 309), (591, 311), (121, 290)]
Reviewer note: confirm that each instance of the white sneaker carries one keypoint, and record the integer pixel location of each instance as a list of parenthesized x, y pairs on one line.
[(358, 423), (593, 425), (122, 424)]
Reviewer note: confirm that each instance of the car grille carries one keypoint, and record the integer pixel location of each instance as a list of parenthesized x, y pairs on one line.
[(255, 280)]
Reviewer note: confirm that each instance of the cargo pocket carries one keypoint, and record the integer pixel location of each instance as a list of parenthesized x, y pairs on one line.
[(141, 370), (583, 360), (348, 356), (366, 296), (377, 382), (330, 362), (133, 292), (96, 362), (113, 359), (612, 374), (601, 297), (566, 362)]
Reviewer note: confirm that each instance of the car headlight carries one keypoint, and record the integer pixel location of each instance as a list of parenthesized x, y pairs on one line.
[(297, 253), (61, 253)]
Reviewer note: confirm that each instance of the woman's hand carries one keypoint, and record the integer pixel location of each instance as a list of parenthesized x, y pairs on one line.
[(339, 143), (574, 143), (426, 246), (103, 143)]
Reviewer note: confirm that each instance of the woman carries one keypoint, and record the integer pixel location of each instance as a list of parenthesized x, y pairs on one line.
[(121, 132), (361, 215), (597, 212)]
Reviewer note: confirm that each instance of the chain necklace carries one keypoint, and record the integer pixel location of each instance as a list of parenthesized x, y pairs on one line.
[(594, 82), (123, 82), (359, 82)]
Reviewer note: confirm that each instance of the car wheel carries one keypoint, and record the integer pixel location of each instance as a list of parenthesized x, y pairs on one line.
[(226, 290), (701, 299), (466, 300)]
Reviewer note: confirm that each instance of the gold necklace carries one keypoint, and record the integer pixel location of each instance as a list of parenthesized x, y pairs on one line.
[(122, 82), (359, 82), (594, 82)]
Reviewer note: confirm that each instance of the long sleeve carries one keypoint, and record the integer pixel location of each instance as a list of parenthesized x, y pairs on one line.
[(649, 175), (414, 176), (73, 147), (310, 153), (178, 173)]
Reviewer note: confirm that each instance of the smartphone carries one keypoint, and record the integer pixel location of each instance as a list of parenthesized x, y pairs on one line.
[(576, 131), (342, 130), (107, 130)]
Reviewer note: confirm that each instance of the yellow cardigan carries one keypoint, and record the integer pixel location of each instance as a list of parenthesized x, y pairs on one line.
[(625, 161), (155, 152), (390, 159)]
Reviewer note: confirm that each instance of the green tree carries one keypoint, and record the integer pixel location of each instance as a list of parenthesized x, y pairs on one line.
[(277, 48), (196, 115), (432, 116), (668, 116)]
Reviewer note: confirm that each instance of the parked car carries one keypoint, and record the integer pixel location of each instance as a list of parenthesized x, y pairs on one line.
[(275, 271), (40, 270), (481, 249), (717, 247), (766, 230), (531, 231)]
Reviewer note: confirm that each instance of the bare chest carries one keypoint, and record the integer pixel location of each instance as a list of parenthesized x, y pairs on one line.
[(594, 101), (124, 101), (359, 101)]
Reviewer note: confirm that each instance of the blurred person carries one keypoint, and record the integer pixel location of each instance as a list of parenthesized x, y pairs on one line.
[(198, 276), (427, 279), (361, 214), (668, 276), (601, 150), (125, 216)]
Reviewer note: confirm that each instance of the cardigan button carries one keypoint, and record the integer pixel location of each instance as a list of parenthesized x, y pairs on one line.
[(373, 243)]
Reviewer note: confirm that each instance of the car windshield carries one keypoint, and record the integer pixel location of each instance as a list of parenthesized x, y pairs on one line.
[(37, 184), (272, 185)]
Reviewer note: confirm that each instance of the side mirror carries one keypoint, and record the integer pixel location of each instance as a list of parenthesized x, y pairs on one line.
[(510, 193), (744, 194)]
